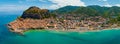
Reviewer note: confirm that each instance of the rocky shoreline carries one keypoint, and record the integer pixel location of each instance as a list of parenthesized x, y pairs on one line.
[(22, 25)]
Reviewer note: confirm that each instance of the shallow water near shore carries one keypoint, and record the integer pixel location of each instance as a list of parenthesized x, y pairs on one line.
[(55, 37)]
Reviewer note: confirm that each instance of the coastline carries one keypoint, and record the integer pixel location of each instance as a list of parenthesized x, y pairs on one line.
[(65, 31), (35, 18)]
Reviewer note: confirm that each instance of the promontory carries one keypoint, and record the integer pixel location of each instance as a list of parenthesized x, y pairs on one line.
[(69, 18)]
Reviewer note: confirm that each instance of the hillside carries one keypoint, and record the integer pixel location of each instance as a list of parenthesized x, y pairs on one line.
[(89, 10), (36, 13)]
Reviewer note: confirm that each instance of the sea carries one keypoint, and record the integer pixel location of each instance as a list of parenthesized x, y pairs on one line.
[(55, 37)]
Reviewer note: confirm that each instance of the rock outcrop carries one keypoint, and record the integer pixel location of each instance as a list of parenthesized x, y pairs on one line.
[(35, 13), (32, 18)]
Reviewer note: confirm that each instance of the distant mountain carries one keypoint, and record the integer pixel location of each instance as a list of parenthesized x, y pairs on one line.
[(93, 10), (99, 8), (66, 9)]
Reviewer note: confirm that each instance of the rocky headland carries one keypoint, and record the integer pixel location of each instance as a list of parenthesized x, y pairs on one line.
[(37, 19)]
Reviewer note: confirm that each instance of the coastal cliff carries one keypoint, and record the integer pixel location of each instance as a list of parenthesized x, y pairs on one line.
[(35, 18), (35, 13)]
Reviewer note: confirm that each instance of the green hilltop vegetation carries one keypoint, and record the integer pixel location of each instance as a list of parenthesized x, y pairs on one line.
[(89, 10), (36, 13), (111, 13)]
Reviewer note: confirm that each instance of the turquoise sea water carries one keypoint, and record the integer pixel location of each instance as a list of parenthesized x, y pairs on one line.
[(54, 37)]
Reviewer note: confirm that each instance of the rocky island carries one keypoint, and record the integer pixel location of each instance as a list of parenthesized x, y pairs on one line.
[(69, 18)]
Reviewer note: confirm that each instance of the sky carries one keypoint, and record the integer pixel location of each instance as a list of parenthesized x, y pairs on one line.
[(18, 6)]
